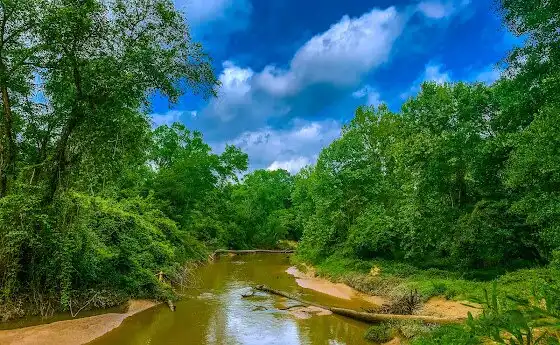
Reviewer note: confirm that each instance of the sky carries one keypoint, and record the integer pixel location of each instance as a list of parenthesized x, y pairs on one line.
[(293, 72)]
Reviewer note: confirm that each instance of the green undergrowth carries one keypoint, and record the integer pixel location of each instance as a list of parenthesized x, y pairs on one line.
[(447, 335), (405, 330), (394, 279)]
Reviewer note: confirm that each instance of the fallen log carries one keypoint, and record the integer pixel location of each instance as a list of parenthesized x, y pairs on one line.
[(249, 251), (171, 305), (362, 316)]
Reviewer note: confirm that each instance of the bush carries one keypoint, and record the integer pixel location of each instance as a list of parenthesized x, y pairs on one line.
[(380, 333), (447, 335), (88, 243)]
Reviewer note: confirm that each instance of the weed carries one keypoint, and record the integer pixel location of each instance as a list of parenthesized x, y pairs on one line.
[(380, 333)]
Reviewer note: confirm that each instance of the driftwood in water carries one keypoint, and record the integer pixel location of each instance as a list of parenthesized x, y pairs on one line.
[(250, 294), (171, 305), (362, 316), (248, 251)]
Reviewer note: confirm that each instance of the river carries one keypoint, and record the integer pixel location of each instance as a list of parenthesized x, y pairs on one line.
[(215, 313)]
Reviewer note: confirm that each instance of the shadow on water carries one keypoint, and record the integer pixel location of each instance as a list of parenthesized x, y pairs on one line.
[(214, 312)]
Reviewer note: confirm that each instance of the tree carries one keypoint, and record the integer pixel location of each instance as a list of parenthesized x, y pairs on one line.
[(101, 63), (187, 171), (258, 203), (76, 213)]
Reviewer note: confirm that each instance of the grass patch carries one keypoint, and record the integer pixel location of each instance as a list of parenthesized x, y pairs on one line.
[(380, 333), (395, 279), (446, 335)]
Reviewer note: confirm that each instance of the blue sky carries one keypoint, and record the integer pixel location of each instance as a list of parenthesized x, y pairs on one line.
[(294, 71)]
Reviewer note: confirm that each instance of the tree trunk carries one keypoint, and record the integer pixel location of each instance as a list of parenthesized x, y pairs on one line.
[(8, 147), (60, 160), (76, 118)]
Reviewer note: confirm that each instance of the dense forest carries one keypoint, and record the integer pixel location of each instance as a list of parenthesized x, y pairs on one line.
[(94, 200)]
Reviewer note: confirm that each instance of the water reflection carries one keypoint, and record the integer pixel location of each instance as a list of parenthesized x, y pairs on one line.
[(215, 313)]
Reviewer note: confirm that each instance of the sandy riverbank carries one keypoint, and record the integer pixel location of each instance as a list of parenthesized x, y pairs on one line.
[(435, 306), (72, 332)]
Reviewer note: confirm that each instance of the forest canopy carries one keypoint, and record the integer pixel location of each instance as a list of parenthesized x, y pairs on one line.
[(465, 176)]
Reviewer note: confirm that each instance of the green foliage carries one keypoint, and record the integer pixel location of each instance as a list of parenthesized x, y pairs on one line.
[(523, 323), (464, 176), (458, 187), (260, 206), (447, 335), (380, 333), (91, 242), (77, 210)]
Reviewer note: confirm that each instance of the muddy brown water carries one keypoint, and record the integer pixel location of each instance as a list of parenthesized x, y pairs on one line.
[(214, 313)]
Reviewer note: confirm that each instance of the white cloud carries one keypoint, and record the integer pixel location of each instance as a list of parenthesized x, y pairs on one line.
[(328, 66), (235, 80), (335, 60), (166, 119), (489, 75), (433, 73), (171, 116), (435, 9), (293, 165), (340, 56), (234, 92), (372, 96), (290, 148)]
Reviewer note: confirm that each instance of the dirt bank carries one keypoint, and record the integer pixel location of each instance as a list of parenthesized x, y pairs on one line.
[(441, 307), (436, 306), (71, 332), (339, 290)]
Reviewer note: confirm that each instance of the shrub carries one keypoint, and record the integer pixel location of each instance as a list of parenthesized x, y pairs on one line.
[(380, 333)]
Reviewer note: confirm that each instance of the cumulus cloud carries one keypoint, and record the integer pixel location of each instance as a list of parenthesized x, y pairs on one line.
[(432, 72), (488, 75), (291, 148), (293, 165), (340, 56), (325, 67), (369, 93), (171, 116), (166, 119), (234, 93), (435, 9)]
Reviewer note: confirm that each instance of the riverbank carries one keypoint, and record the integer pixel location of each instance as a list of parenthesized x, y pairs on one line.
[(436, 306), (440, 293), (358, 285), (72, 332), (393, 279)]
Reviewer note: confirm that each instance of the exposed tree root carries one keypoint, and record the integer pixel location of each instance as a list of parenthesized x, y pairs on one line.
[(362, 316)]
